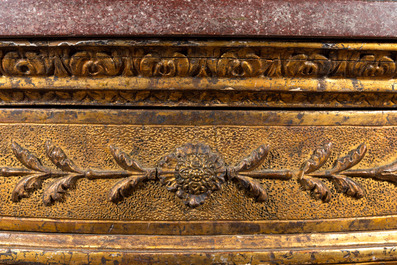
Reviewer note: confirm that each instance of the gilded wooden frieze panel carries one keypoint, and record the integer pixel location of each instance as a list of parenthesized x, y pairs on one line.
[(270, 166)]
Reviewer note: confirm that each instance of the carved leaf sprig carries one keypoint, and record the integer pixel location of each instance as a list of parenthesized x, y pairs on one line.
[(253, 161), (69, 173), (35, 178), (317, 188), (318, 159), (125, 161), (347, 186), (28, 159), (125, 187), (350, 160), (254, 188), (59, 159), (57, 190), (26, 186), (386, 173), (337, 175), (342, 183)]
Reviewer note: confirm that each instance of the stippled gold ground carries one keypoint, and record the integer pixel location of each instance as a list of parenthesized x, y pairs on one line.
[(87, 146)]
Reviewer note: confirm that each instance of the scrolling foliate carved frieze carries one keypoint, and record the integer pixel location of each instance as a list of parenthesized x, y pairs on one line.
[(194, 172), (222, 62)]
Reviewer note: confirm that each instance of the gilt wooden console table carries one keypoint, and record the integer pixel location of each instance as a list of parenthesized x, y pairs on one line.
[(198, 132)]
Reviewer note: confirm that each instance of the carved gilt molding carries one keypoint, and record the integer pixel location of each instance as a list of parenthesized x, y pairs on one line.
[(198, 73), (198, 98), (224, 60), (194, 172)]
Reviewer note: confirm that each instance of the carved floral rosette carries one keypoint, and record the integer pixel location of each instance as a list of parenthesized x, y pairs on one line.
[(193, 171)]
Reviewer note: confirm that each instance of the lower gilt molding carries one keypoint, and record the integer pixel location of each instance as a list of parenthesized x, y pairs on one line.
[(194, 171), (311, 248)]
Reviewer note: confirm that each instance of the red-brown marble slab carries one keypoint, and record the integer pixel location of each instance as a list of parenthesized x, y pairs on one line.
[(250, 18)]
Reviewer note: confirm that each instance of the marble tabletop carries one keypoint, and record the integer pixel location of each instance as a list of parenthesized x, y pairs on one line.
[(198, 18)]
